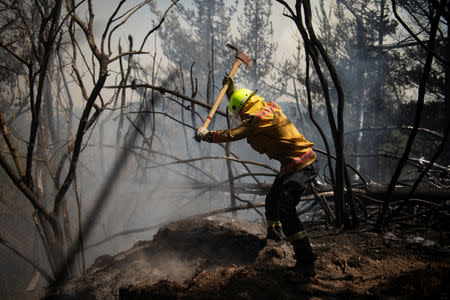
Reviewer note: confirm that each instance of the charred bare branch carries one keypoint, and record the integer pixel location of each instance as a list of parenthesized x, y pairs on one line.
[(420, 102)]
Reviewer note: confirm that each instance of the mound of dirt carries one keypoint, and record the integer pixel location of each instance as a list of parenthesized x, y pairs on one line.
[(203, 259)]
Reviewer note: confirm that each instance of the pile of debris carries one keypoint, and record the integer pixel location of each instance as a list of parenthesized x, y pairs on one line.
[(204, 259)]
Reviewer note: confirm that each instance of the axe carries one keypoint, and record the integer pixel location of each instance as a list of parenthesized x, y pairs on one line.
[(241, 57)]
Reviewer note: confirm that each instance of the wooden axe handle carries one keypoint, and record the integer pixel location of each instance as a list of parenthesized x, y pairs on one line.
[(236, 65)]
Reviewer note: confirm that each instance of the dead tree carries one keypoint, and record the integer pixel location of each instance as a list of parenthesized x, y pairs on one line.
[(316, 51), (435, 16), (33, 35)]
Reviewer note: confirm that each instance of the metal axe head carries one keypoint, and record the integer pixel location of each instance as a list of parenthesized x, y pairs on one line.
[(242, 56)]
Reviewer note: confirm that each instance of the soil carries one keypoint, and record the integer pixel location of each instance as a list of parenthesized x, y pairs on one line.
[(206, 259)]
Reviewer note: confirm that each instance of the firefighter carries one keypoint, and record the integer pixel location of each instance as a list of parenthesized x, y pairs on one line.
[(270, 132)]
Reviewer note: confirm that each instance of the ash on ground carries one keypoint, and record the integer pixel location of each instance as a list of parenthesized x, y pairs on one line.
[(205, 259)]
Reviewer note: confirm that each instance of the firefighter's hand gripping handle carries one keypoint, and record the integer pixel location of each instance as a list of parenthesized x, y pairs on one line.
[(200, 134)]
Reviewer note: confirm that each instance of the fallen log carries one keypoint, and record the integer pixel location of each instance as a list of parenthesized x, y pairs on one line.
[(377, 192), (373, 191)]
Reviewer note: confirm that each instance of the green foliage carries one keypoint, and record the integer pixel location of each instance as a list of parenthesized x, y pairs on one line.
[(256, 39), (380, 70), (199, 35)]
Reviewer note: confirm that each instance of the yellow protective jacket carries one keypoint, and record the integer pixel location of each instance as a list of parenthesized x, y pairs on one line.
[(269, 132)]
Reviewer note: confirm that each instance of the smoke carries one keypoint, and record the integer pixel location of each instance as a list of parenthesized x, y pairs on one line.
[(149, 189)]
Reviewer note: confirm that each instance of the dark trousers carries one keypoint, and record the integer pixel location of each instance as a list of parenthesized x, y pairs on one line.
[(284, 196)]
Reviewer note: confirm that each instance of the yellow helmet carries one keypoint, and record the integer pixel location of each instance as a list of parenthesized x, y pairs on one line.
[(238, 99)]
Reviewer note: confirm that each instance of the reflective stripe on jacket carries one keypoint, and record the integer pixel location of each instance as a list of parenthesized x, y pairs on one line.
[(269, 132)]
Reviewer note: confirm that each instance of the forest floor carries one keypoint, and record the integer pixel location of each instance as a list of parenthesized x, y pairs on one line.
[(205, 259)]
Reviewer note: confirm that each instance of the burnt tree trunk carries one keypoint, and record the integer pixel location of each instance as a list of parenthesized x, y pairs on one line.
[(420, 103)]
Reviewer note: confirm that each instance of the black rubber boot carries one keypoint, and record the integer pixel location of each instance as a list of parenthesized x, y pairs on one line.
[(305, 257), (275, 233), (307, 269)]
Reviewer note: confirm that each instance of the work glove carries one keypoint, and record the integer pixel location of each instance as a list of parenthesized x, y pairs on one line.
[(227, 79), (200, 133)]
